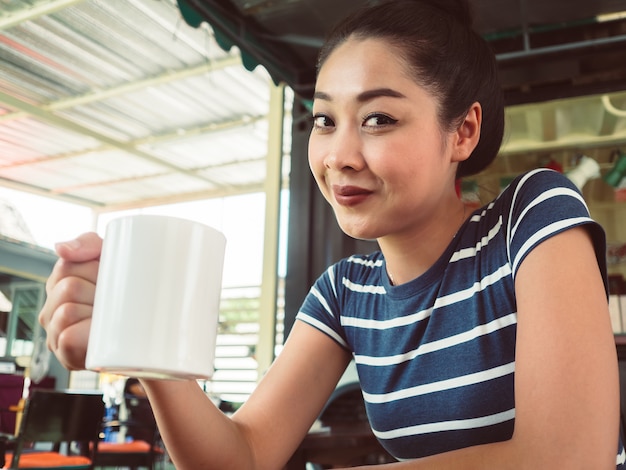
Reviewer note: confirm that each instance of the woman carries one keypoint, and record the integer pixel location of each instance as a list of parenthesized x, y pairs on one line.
[(481, 340)]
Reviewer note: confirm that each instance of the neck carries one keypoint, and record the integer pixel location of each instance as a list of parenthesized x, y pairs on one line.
[(408, 257)]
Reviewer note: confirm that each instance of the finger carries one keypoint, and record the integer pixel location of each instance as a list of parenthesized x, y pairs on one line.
[(72, 345), (84, 248), (65, 317), (68, 290), (87, 270)]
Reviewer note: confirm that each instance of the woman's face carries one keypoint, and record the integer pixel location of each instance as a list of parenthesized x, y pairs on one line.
[(377, 151)]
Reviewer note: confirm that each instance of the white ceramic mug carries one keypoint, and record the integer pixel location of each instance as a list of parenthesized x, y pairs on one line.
[(157, 298)]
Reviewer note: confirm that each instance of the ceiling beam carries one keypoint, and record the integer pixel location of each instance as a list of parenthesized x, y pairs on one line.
[(182, 197), (110, 182), (99, 95), (47, 193), (150, 140), (208, 128), (74, 127), (168, 77), (32, 13)]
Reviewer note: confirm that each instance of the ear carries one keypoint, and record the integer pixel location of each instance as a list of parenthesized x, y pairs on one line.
[(468, 133)]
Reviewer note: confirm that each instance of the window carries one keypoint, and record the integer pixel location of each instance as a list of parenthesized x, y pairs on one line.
[(18, 325)]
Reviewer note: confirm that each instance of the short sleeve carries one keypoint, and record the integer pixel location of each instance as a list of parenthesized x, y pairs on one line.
[(320, 308), (543, 204)]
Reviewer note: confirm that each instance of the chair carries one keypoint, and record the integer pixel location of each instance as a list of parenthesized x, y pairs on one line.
[(345, 408), (142, 446), (11, 402), (60, 420)]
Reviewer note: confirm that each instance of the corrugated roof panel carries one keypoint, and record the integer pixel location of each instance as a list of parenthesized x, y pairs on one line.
[(140, 86), (213, 149), (33, 57), (141, 33), (222, 94), (40, 175), (113, 164), (89, 168), (240, 174), (249, 88), (99, 45), (144, 189), (107, 121), (26, 138), (168, 107)]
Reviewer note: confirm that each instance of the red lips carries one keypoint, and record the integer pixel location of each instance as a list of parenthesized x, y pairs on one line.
[(350, 195)]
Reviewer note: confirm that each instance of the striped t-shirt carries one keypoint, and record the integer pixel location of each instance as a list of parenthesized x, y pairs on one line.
[(436, 356)]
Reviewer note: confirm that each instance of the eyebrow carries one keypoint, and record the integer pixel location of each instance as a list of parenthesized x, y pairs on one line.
[(364, 96)]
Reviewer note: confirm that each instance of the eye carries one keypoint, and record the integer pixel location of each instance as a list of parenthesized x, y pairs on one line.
[(378, 120), (322, 122)]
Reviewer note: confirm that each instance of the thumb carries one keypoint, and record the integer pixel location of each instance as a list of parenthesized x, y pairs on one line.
[(86, 247)]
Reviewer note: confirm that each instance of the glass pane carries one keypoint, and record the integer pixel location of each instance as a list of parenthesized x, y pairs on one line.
[(26, 305)]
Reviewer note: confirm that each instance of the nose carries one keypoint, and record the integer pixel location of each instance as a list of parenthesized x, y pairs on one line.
[(345, 150)]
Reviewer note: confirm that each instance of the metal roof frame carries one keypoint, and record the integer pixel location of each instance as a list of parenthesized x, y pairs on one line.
[(122, 104)]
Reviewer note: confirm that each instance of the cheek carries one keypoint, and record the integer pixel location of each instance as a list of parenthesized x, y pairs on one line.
[(389, 159), (316, 164), (315, 156)]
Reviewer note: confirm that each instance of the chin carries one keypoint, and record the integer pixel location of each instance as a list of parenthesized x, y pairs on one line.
[(359, 233), (358, 226)]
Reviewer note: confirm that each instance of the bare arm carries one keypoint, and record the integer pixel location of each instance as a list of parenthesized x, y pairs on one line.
[(264, 432), (267, 429), (566, 379)]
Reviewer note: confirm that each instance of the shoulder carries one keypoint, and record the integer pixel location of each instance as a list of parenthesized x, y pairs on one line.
[(538, 194), (539, 205), (535, 183)]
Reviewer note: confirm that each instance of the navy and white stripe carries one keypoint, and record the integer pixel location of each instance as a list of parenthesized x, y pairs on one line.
[(436, 356)]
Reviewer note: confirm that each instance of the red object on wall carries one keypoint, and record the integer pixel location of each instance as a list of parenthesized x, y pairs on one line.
[(554, 165)]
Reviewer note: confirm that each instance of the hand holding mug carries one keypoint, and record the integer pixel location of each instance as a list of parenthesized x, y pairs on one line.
[(156, 306), (154, 313), (70, 289)]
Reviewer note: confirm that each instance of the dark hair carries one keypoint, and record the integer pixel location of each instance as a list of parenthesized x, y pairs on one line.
[(436, 39)]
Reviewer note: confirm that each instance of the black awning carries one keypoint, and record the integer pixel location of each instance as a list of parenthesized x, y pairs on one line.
[(546, 49)]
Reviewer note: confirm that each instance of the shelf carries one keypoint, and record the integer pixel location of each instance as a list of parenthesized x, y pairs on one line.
[(607, 205)]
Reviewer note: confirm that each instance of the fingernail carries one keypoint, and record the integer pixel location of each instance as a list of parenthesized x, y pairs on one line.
[(71, 244)]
